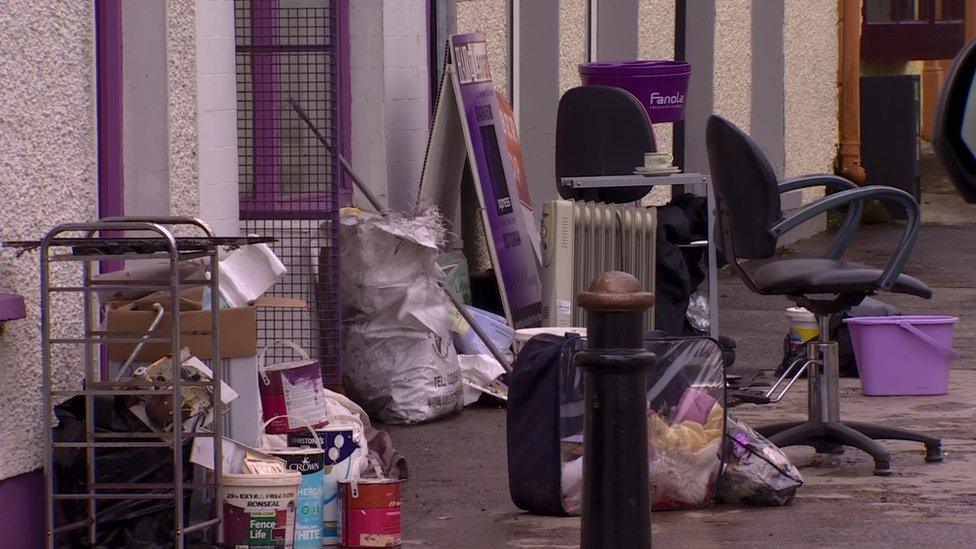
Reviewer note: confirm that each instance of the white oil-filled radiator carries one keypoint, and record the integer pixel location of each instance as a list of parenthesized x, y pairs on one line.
[(580, 241)]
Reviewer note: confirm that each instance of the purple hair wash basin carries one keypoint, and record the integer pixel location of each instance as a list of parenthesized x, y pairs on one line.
[(11, 307), (660, 86)]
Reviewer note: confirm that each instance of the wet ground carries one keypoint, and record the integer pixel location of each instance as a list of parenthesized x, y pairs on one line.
[(458, 497)]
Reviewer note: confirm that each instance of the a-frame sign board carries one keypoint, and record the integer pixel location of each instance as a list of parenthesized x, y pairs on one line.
[(470, 125)]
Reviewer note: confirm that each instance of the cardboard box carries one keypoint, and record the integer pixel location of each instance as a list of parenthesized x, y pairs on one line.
[(238, 333), (238, 330), (238, 350)]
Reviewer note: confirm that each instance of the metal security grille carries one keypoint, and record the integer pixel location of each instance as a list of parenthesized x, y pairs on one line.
[(289, 182)]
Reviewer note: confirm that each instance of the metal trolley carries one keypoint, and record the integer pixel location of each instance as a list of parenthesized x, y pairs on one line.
[(112, 240)]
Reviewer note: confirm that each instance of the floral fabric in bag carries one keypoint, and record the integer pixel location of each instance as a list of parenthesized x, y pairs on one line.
[(685, 424)]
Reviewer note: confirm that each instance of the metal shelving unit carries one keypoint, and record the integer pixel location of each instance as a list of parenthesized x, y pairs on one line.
[(117, 239)]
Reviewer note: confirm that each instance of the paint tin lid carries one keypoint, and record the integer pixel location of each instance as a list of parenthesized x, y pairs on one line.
[(374, 493)]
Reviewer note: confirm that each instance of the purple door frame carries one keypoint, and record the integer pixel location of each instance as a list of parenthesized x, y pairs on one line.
[(108, 78), (264, 75), (108, 60), (345, 101)]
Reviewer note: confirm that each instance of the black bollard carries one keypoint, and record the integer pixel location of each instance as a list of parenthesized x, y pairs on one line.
[(616, 506)]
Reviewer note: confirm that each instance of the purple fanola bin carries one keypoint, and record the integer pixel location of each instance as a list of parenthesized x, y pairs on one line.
[(660, 86)]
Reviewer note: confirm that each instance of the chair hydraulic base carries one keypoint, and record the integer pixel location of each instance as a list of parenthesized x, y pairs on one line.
[(824, 430), (829, 437)]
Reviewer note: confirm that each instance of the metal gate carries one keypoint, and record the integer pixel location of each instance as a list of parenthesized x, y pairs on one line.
[(289, 182)]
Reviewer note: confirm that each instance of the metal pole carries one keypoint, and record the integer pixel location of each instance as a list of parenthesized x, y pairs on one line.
[(218, 405), (46, 387), (616, 499), (177, 388), (379, 208), (712, 260), (91, 381), (370, 197)]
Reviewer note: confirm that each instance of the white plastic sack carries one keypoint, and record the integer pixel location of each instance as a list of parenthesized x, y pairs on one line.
[(398, 363), (478, 371)]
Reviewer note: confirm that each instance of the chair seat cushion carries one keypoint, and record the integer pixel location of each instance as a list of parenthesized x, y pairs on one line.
[(813, 276)]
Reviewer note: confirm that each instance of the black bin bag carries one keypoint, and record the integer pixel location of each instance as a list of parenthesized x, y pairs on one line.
[(686, 423), (121, 523)]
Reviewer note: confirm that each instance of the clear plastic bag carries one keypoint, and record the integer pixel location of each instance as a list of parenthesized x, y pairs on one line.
[(698, 312), (686, 423), (758, 472)]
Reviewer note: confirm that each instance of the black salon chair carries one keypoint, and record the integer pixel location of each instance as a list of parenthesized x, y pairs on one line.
[(954, 138), (601, 131), (749, 221)]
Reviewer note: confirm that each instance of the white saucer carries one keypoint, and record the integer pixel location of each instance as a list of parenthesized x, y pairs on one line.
[(644, 170)]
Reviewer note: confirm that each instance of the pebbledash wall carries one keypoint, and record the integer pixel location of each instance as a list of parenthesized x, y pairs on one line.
[(47, 176), (179, 148)]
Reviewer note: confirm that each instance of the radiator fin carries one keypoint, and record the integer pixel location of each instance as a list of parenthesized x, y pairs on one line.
[(598, 238)]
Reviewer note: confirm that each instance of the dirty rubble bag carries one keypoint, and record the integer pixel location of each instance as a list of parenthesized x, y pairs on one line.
[(399, 363)]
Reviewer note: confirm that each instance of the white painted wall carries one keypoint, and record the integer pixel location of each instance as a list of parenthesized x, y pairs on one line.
[(810, 84), (217, 115), (574, 38), (181, 108), (732, 79), (490, 17), (390, 96), (145, 143), (406, 80), (367, 94), (655, 40)]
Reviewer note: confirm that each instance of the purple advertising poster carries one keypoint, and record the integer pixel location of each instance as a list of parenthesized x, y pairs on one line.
[(514, 260)]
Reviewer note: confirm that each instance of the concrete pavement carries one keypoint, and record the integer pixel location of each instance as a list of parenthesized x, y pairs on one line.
[(457, 496)]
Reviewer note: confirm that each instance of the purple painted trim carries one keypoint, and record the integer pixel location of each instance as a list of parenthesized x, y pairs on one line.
[(431, 61), (345, 100), (304, 206), (11, 307), (264, 75), (108, 60), (22, 520)]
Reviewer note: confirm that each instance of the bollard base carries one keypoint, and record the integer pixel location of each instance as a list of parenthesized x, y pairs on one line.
[(616, 506)]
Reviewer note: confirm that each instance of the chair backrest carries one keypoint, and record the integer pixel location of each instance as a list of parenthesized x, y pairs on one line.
[(601, 130), (746, 191)]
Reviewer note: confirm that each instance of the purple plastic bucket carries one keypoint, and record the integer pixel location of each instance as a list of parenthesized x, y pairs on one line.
[(903, 355), (660, 86)]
